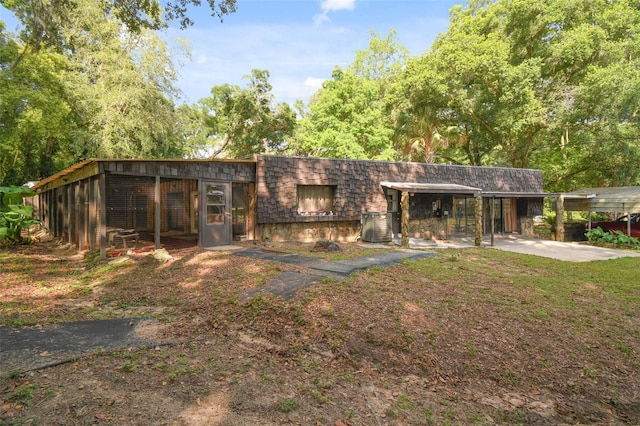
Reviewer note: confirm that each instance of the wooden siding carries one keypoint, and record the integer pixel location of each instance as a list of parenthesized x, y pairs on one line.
[(74, 204), (224, 171), (73, 174), (78, 204)]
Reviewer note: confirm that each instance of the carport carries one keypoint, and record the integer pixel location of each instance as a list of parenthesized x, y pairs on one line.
[(616, 200)]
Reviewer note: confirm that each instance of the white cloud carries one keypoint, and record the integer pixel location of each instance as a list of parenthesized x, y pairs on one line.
[(314, 83), (333, 5), (320, 18)]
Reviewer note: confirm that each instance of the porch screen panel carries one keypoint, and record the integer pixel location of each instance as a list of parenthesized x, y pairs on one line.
[(129, 202), (177, 205)]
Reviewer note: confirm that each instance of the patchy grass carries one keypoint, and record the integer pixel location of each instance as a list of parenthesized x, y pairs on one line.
[(471, 336), (347, 250)]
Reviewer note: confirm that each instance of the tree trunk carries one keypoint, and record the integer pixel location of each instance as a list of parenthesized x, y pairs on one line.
[(560, 219), (478, 216), (404, 221)]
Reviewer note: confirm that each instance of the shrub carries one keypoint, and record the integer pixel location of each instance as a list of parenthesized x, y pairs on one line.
[(14, 215), (617, 238)]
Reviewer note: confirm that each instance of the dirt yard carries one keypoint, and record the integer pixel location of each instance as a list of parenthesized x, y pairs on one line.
[(471, 336)]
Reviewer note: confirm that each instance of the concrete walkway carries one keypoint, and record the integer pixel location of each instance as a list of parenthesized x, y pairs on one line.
[(569, 252), (566, 251), (288, 284)]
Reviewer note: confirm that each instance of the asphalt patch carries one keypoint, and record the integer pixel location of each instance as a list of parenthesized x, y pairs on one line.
[(33, 348), (285, 285)]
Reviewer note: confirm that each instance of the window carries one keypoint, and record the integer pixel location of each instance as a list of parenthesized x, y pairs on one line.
[(392, 199), (215, 204), (315, 199)]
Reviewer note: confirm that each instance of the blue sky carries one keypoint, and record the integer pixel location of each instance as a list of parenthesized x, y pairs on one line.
[(298, 41)]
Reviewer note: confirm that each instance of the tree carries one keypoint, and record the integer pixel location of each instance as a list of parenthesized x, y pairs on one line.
[(45, 20), (237, 122), (523, 84), (417, 122), (347, 117), (121, 85), (35, 117), (107, 96), (346, 120), (88, 81)]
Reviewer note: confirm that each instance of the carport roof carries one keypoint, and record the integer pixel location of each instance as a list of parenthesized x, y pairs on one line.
[(432, 188), (452, 188), (612, 199)]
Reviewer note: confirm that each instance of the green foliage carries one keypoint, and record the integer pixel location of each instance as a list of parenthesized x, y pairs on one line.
[(511, 83), (23, 395), (551, 220), (419, 132), (237, 122), (287, 405), (347, 117), (14, 215), (121, 86), (403, 402), (44, 22), (346, 120), (90, 90), (617, 238), (35, 115), (522, 84), (129, 367)]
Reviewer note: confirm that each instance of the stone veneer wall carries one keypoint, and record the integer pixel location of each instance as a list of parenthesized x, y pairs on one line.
[(311, 232), (431, 228), (527, 228), (357, 184)]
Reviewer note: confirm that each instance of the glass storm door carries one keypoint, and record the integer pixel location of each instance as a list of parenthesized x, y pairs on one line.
[(393, 207), (216, 213)]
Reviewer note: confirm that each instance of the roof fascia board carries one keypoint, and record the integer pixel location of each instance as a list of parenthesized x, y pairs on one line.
[(74, 173)]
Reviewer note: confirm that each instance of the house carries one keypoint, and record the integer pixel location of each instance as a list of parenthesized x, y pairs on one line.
[(99, 203)]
